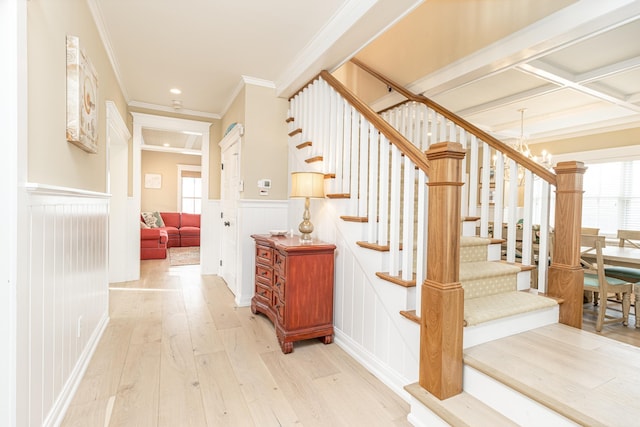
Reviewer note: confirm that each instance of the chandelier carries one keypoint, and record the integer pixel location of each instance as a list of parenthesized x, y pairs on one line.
[(522, 146)]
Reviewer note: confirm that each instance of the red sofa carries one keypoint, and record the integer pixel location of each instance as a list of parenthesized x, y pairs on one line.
[(153, 243), (180, 229)]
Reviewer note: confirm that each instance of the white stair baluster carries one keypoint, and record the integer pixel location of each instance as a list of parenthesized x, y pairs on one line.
[(394, 214), (383, 199)]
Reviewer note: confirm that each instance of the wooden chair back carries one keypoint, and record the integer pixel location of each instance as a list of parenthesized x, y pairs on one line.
[(589, 230), (600, 285), (629, 238), (593, 244)]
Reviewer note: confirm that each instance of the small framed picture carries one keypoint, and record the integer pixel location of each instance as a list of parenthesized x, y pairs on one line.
[(152, 180)]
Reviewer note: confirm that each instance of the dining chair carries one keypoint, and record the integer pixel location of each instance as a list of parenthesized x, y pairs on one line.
[(629, 238), (597, 283), (636, 292), (626, 238), (590, 230)]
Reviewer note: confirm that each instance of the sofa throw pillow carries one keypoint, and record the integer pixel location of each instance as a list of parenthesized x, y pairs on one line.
[(143, 225), (153, 219)]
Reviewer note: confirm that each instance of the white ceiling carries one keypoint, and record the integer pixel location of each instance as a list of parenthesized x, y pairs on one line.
[(209, 49), (576, 71)]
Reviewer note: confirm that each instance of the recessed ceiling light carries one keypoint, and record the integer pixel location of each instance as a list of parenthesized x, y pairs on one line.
[(175, 91), (166, 145)]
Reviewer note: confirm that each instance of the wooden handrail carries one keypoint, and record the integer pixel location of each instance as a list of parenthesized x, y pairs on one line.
[(493, 142), (395, 137)]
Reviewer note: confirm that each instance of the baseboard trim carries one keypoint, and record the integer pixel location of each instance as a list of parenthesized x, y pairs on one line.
[(59, 409), (381, 371)]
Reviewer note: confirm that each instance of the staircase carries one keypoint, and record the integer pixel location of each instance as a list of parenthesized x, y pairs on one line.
[(376, 213)]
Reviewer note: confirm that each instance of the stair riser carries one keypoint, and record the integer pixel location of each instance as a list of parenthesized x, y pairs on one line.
[(500, 328), (509, 402), (473, 253)]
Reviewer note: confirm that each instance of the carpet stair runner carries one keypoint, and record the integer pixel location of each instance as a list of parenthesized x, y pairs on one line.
[(491, 287)]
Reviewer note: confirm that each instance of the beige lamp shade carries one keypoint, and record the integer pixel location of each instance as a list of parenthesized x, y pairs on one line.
[(307, 184)]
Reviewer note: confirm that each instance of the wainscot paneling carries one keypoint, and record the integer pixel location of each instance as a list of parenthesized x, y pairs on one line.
[(63, 297), (255, 217), (367, 319)]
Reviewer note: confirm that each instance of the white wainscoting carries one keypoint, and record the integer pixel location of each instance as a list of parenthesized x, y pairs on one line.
[(366, 311), (255, 217), (62, 297)]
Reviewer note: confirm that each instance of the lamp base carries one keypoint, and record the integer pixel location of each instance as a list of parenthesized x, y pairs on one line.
[(305, 228)]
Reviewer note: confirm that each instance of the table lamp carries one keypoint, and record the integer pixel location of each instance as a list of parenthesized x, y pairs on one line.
[(307, 185)]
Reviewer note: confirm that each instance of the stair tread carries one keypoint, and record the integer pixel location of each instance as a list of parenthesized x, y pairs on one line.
[(574, 372), (484, 269), (504, 304), (466, 241), (398, 280), (460, 410)]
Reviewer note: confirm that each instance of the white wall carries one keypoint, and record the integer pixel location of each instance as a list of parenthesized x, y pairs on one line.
[(255, 217), (63, 302)]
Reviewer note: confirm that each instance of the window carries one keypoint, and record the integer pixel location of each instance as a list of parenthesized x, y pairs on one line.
[(191, 194), (611, 201)]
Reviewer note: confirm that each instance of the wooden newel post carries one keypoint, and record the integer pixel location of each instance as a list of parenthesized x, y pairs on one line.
[(442, 294), (565, 274)]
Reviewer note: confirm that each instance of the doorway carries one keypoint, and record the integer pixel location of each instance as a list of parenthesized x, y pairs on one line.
[(146, 123)]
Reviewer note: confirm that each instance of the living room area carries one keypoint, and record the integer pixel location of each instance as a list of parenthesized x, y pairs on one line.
[(170, 197)]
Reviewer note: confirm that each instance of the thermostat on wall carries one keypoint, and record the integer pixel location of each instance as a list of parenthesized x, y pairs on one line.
[(264, 183)]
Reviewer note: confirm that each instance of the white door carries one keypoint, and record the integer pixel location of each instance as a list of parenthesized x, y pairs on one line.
[(229, 192)]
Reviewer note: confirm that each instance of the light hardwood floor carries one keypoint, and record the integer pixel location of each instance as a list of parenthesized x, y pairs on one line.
[(177, 353)]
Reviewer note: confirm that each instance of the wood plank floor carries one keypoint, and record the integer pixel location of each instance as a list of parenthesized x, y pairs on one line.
[(178, 353)]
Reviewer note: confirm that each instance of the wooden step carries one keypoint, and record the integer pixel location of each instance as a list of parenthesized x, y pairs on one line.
[(580, 375), (460, 410), (397, 279), (411, 315), (289, 119), (375, 246), (295, 132), (354, 218), (304, 144), (338, 196), (314, 159), (329, 176)]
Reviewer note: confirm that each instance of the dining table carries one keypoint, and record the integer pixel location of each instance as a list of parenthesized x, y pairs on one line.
[(623, 256)]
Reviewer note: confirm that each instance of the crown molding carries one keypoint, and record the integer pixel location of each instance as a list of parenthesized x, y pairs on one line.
[(98, 19), (245, 80), (258, 82), (156, 107)]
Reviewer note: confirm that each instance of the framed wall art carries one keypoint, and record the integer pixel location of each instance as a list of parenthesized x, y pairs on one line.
[(82, 98)]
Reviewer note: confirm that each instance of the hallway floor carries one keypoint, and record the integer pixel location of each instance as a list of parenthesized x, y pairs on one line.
[(177, 352)]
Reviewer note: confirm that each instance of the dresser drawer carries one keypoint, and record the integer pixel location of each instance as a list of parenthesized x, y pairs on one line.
[(279, 308), (280, 262), (265, 273), (264, 254), (279, 285), (263, 292)]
